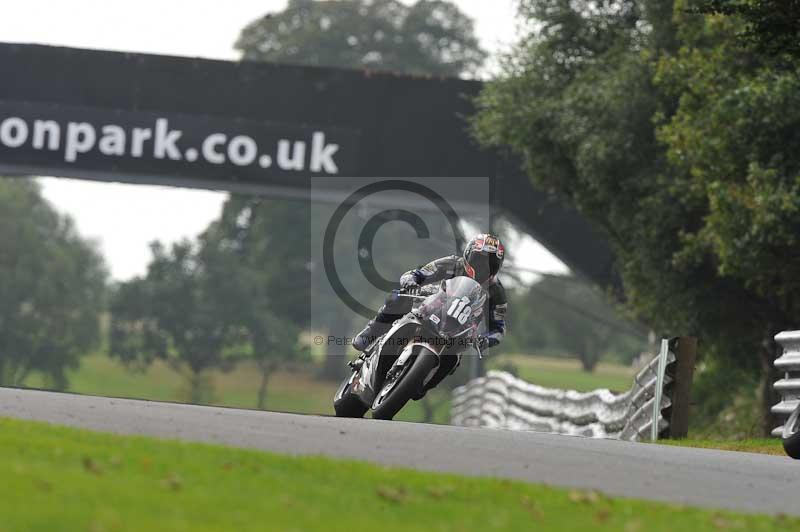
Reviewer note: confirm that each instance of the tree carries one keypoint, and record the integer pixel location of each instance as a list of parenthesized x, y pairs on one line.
[(580, 100), (734, 133), (52, 288), (576, 102), (429, 37), (770, 26), (271, 293), (565, 315), (185, 311)]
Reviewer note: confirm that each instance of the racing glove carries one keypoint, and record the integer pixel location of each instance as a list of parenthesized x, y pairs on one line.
[(409, 280), (482, 343)]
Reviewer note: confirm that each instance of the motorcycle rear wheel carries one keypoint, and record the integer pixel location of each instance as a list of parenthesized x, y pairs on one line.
[(791, 435), (408, 386)]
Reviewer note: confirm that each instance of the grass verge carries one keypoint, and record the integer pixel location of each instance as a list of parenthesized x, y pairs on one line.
[(761, 446), (59, 478), (566, 373)]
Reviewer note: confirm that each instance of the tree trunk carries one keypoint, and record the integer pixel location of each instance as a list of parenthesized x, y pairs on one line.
[(262, 388), (20, 375), (588, 363), (196, 387), (588, 356), (335, 366), (2, 371), (12, 374), (769, 351)]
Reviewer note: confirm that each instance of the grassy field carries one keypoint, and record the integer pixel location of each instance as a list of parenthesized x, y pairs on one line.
[(297, 391), (57, 478), (761, 446), (566, 373)]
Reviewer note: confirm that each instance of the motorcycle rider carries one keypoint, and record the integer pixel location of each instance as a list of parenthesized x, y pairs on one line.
[(483, 256)]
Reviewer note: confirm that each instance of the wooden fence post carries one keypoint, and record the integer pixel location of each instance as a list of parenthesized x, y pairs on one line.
[(685, 358)]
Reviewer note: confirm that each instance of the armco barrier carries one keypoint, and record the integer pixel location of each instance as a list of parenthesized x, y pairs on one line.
[(789, 385), (500, 400)]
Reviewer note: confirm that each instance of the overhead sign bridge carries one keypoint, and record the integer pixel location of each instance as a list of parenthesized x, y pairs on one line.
[(260, 128)]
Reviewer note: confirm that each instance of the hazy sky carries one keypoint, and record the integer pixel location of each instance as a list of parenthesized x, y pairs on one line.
[(202, 28), (125, 218)]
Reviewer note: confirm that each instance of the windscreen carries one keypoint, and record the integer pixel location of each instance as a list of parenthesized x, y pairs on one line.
[(456, 309)]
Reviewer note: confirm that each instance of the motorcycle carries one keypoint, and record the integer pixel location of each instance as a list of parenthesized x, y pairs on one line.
[(428, 341), (791, 434)]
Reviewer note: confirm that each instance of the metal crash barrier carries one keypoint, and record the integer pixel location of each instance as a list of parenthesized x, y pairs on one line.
[(656, 405), (789, 385)]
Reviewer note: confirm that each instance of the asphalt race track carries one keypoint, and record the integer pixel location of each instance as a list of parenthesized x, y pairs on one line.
[(698, 477)]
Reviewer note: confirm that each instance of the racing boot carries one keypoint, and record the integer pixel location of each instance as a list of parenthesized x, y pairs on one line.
[(373, 330), (392, 310)]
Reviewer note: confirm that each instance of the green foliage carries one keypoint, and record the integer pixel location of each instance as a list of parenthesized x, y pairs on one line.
[(268, 298), (208, 305), (681, 144), (186, 311), (735, 134), (580, 117), (564, 315), (735, 414), (771, 26), (270, 239), (576, 101), (52, 288), (429, 37)]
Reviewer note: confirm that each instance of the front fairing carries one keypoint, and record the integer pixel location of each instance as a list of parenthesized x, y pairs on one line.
[(456, 310), (390, 345), (453, 313)]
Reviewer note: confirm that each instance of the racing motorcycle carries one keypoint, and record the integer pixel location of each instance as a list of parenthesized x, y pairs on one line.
[(399, 365), (791, 434)]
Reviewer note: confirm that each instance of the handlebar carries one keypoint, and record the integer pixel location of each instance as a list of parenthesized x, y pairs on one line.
[(413, 296), (412, 293)]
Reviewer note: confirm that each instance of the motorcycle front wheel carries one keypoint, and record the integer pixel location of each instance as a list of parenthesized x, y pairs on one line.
[(791, 434), (399, 389)]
